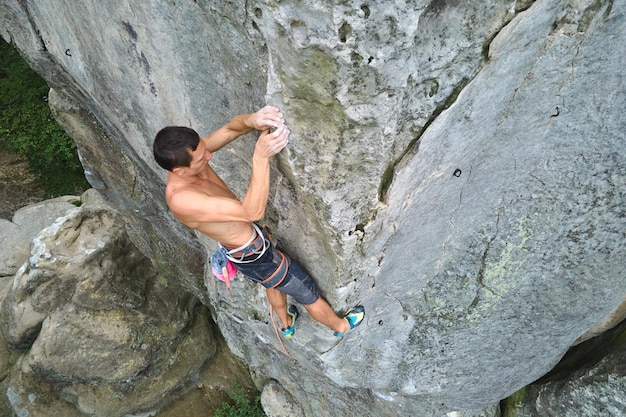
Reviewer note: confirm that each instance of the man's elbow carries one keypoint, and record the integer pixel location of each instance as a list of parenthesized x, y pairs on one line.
[(257, 216), (253, 212)]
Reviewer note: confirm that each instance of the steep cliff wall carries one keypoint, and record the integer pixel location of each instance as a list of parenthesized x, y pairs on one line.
[(457, 167)]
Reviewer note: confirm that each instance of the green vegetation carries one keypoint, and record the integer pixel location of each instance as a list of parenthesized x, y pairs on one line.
[(241, 407), (510, 406), (28, 128)]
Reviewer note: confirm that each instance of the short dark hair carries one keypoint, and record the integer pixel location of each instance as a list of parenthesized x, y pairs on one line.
[(173, 146)]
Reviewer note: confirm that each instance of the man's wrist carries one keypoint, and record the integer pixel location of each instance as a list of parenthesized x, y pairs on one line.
[(260, 159), (248, 121)]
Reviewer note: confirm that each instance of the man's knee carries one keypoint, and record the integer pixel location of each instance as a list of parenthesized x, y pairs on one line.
[(273, 293)]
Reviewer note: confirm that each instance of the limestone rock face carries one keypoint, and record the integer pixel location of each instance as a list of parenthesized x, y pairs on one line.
[(456, 167), (87, 310)]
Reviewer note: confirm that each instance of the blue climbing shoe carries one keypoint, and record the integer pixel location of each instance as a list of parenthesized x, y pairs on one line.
[(289, 331), (354, 317)]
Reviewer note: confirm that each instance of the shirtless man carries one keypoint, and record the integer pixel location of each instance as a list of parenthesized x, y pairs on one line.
[(199, 198)]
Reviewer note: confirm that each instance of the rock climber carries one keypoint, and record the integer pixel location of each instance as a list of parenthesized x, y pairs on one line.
[(199, 198)]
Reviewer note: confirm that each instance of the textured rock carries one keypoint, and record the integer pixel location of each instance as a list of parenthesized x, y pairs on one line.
[(503, 254), (93, 341), (17, 235), (111, 170), (277, 402), (457, 167)]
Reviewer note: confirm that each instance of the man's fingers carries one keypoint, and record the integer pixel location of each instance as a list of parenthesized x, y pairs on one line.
[(269, 144), (269, 116), (279, 140)]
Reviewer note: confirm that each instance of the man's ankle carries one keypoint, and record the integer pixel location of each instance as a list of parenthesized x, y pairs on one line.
[(347, 326)]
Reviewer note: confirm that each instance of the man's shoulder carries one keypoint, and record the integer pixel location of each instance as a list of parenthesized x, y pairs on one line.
[(181, 193)]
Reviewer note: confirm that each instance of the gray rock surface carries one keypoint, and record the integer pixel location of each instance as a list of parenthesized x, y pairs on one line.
[(277, 402), (457, 167), (503, 254), (99, 330)]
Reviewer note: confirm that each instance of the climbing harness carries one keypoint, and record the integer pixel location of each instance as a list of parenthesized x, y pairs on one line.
[(252, 251), (239, 256), (223, 261)]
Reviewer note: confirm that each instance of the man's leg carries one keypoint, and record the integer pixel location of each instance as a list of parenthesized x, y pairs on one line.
[(302, 287), (278, 301), (321, 311)]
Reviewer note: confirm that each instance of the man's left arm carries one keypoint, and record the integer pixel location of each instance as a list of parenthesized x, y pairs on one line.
[(266, 118)]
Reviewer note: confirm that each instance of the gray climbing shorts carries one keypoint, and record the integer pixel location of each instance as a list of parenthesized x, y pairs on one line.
[(261, 262)]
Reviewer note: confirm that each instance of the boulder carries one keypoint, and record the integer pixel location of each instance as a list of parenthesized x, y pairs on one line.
[(277, 402), (17, 235), (101, 331)]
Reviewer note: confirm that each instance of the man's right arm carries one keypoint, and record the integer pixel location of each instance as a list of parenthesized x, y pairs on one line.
[(194, 206), (268, 145), (266, 118)]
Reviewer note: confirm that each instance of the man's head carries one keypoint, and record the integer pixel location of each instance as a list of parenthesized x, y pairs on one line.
[(173, 146)]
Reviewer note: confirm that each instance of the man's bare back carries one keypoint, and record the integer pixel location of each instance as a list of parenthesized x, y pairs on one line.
[(208, 183)]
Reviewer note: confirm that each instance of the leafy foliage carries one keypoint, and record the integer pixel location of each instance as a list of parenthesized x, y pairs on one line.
[(241, 407), (28, 128)]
